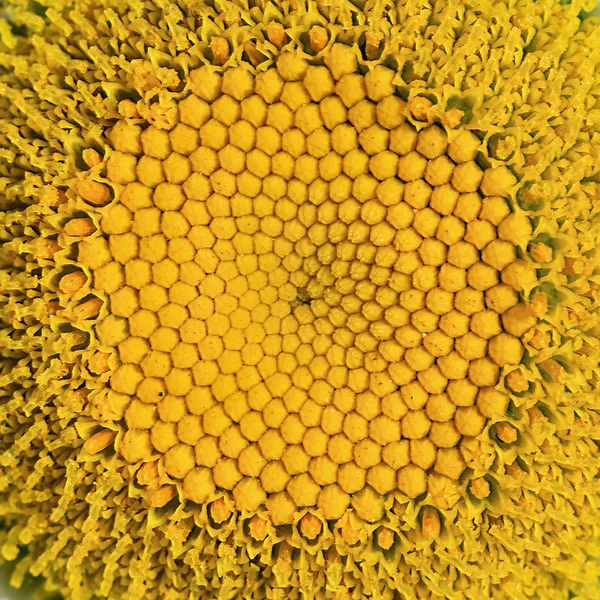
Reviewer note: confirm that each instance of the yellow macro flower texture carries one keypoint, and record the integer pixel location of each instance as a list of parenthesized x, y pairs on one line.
[(300, 299)]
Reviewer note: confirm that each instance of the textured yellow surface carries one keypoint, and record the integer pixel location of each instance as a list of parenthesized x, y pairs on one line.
[(300, 300)]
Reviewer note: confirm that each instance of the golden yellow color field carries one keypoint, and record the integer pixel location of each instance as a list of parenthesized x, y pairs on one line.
[(300, 299)]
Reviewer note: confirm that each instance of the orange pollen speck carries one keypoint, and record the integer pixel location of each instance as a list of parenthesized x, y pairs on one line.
[(385, 538), (80, 227), (128, 109), (318, 38), (517, 382), (91, 157), (350, 534), (89, 309), (540, 339), (220, 50), (161, 496), (541, 253), (46, 248), (52, 307), (373, 41), (98, 362), (419, 108), (506, 433), (72, 282), (219, 511), (148, 473), (515, 471), (453, 117), (255, 56), (574, 266), (480, 488), (258, 528), (431, 526), (276, 34), (284, 552), (539, 305), (93, 191), (536, 415), (99, 441), (310, 526), (554, 369)]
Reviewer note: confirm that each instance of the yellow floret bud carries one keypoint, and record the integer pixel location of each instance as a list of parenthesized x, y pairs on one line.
[(415, 424), (290, 66), (520, 275), (463, 255), (483, 372), (390, 112), (403, 139), (198, 485), (451, 278), (156, 143), (482, 276), (140, 415), (379, 82), (467, 177), (318, 82), (207, 452), (333, 501), (449, 462), (439, 171), (492, 403), (506, 349), (498, 181), (341, 60), (518, 319), (444, 435), (433, 142), (480, 488), (499, 254), (412, 481), (464, 147), (351, 477), (412, 166), (226, 473), (494, 209), (248, 494), (515, 228), (469, 421), (468, 206), (453, 365), (121, 168), (135, 445), (454, 324), (443, 201), (179, 460), (423, 453), (506, 433)]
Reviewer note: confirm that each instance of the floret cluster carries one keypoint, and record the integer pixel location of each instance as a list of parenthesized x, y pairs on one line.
[(299, 299), (307, 294)]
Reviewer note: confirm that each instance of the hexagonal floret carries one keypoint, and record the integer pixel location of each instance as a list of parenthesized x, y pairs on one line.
[(177, 168), (184, 139), (232, 159), (243, 135), (213, 134), (194, 111), (318, 82)]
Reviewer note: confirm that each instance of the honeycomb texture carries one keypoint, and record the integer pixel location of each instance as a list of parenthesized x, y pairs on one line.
[(302, 304), (304, 307)]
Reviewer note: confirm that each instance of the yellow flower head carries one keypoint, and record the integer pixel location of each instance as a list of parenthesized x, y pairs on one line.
[(300, 299)]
